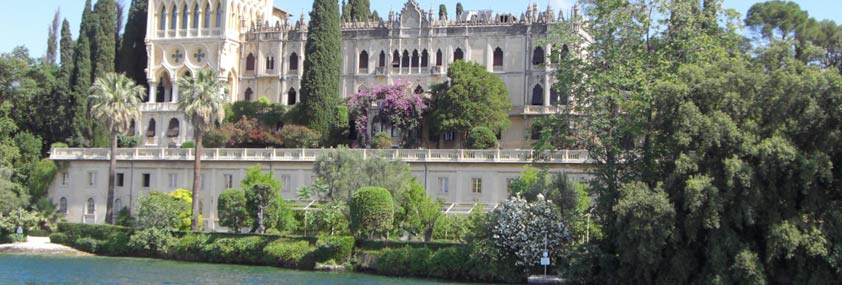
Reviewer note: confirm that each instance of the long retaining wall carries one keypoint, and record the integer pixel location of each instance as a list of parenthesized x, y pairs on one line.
[(461, 178)]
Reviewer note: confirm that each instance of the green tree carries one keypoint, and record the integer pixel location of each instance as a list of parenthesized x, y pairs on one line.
[(83, 133), (261, 191), (52, 39), (322, 66), (160, 211), (66, 53), (442, 12), (360, 10), (785, 17), (372, 212), (104, 45), (232, 209), (202, 100), (459, 9), (645, 220), (482, 138), (417, 212), (472, 98), (115, 103), (133, 46), (42, 175), (346, 12)]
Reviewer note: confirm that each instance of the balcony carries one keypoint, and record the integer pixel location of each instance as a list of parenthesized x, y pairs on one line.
[(310, 155), (159, 107), (540, 110)]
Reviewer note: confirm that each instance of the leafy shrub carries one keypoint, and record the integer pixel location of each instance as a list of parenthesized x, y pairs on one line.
[(153, 241), (189, 246), (215, 139), (336, 248), (406, 261), (116, 243), (295, 136), (288, 254), (218, 250), (232, 210), (59, 238), (188, 145), (381, 140), (123, 218), (75, 231), (162, 211), (14, 238), (87, 244), (41, 177), (449, 263), (247, 133), (482, 138), (127, 141), (372, 212), (38, 233)]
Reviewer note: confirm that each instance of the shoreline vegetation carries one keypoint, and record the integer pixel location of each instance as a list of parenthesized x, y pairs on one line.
[(434, 260)]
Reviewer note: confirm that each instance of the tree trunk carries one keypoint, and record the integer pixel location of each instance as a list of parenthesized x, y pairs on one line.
[(112, 169), (197, 180)]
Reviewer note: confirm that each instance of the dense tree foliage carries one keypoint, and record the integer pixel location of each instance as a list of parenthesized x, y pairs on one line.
[(396, 107), (360, 10), (481, 138), (714, 158), (344, 171), (133, 57), (322, 67), (372, 212)]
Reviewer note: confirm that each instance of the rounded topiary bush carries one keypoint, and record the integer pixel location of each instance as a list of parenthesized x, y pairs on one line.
[(372, 212), (482, 138), (381, 140), (188, 144)]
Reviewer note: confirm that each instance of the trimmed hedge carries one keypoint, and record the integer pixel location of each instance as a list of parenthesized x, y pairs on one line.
[(453, 263), (74, 231), (384, 244), (372, 211), (99, 239), (284, 253), (336, 248)]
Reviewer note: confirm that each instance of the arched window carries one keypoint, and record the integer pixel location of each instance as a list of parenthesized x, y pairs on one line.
[(405, 59), (90, 209), (291, 97), (206, 20), (163, 19), (458, 55), (173, 128), (382, 61), (131, 131), (173, 19), (396, 59), (419, 90), (248, 94), (218, 15), (62, 206), (498, 57), (538, 95), (439, 58), (270, 63), (364, 60), (293, 61), (250, 62), (538, 56), (196, 16), (416, 60), (425, 58), (184, 17), (150, 130)]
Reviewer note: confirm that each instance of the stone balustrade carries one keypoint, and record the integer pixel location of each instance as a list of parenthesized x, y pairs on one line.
[(310, 155)]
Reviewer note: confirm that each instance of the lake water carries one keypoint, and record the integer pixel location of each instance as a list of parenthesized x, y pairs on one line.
[(32, 269)]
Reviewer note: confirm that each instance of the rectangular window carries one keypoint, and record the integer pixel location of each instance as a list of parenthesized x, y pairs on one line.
[(120, 179), (228, 181), (286, 183), (64, 178), (173, 181), (443, 184), (91, 178), (147, 180), (476, 185), (449, 136)]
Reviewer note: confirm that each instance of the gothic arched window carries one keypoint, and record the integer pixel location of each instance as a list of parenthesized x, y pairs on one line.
[(196, 16), (293, 61), (218, 15), (291, 97), (62, 206), (458, 55), (150, 130), (538, 95), (419, 90), (382, 61), (174, 18), (538, 56), (173, 128), (439, 58), (206, 20), (249, 93), (425, 58), (364, 60), (163, 19), (415, 58), (396, 59), (184, 17), (250, 62), (405, 59), (498, 57)]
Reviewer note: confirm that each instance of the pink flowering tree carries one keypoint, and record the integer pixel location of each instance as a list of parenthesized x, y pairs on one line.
[(402, 108)]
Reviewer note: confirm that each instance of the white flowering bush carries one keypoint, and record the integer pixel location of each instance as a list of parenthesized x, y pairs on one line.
[(519, 227)]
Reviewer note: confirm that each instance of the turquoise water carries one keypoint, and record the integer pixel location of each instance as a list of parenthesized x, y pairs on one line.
[(31, 269)]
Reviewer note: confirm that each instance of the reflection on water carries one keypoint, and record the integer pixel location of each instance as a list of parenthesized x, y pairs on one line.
[(30, 269)]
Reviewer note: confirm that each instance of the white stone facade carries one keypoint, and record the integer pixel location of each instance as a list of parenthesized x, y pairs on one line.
[(256, 49)]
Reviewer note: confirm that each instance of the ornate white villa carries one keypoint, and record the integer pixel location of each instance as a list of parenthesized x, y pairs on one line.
[(259, 52)]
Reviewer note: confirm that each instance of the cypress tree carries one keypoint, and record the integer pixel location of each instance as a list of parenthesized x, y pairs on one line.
[(66, 53), (442, 12), (322, 64), (360, 10), (346, 12), (118, 27), (375, 16), (52, 39), (103, 45), (81, 77), (133, 47), (459, 9)]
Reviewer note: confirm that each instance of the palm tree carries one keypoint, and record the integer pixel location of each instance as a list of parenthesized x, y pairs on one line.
[(116, 101), (202, 100)]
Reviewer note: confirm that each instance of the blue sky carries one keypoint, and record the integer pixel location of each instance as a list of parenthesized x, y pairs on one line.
[(25, 22)]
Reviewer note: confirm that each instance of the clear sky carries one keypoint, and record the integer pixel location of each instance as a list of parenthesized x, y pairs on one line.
[(25, 22)]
